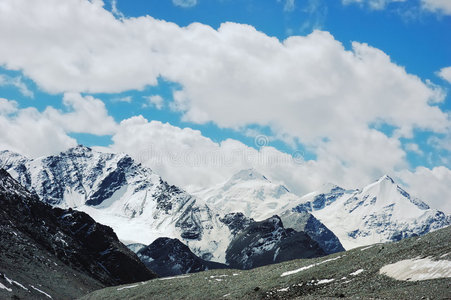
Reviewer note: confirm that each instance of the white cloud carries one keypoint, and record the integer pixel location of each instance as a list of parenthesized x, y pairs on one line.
[(445, 74), (86, 115), (126, 99), (307, 88), (17, 82), (430, 185), (412, 147), (115, 10), (29, 132), (35, 133), (7, 107), (185, 3), (154, 101), (438, 6), (373, 4)]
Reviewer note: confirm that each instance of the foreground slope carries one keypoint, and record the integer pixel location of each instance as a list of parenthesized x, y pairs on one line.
[(51, 252), (355, 274)]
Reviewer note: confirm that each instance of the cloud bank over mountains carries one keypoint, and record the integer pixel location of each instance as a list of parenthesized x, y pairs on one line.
[(310, 89)]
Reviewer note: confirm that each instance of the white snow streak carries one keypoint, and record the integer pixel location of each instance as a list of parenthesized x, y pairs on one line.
[(356, 272), (42, 292), (128, 287), (308, 267), (5, 288), (323, 281), (175, 277)]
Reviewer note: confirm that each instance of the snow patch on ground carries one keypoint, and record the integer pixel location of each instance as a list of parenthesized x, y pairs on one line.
[(175, 277), (366, 248), (5, 288), (128, 287), (42, 292), (356, 272), (324, 281), (418, 269), (10, 281), (309, 266)]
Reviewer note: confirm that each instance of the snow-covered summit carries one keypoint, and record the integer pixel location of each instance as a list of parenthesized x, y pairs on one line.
[(248, 174), (381, 211), (251, 193)]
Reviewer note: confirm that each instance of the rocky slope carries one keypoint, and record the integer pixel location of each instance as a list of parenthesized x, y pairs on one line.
[(380, 212), (170, 257), (118, 192), (52, 252), (356, 274), (267, 242)]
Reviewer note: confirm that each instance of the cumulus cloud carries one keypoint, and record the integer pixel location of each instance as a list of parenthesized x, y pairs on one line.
[(28, 132), (412, 147), (445, 74), (154, 101), (86, 115), (16, 82), (185, 3), (34, 133), (187, 158), (430, 185), (309, 89), (438, 6)]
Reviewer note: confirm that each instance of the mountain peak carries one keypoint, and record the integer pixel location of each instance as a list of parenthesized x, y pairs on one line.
[(385, 178), (329, 187), (79, 149), (248, 174)]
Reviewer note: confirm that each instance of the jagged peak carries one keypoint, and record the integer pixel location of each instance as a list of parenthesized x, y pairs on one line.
[(385, 178), (329, 187), (12, 154), (79, 149)]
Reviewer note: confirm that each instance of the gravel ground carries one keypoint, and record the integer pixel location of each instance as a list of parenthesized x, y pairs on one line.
[(353, 274)]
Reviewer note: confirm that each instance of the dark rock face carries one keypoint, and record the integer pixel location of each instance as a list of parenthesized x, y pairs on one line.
[(71, 237), (169, 257), (322, 200), (236, 222), (304, 221), (267, 242)]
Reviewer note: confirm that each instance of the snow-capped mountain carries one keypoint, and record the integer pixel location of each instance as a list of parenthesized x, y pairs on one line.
[(118, 192), (380, 212), (251, 193), (254, 195)]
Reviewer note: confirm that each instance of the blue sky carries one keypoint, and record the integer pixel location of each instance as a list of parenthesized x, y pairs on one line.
[(110, 70)]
